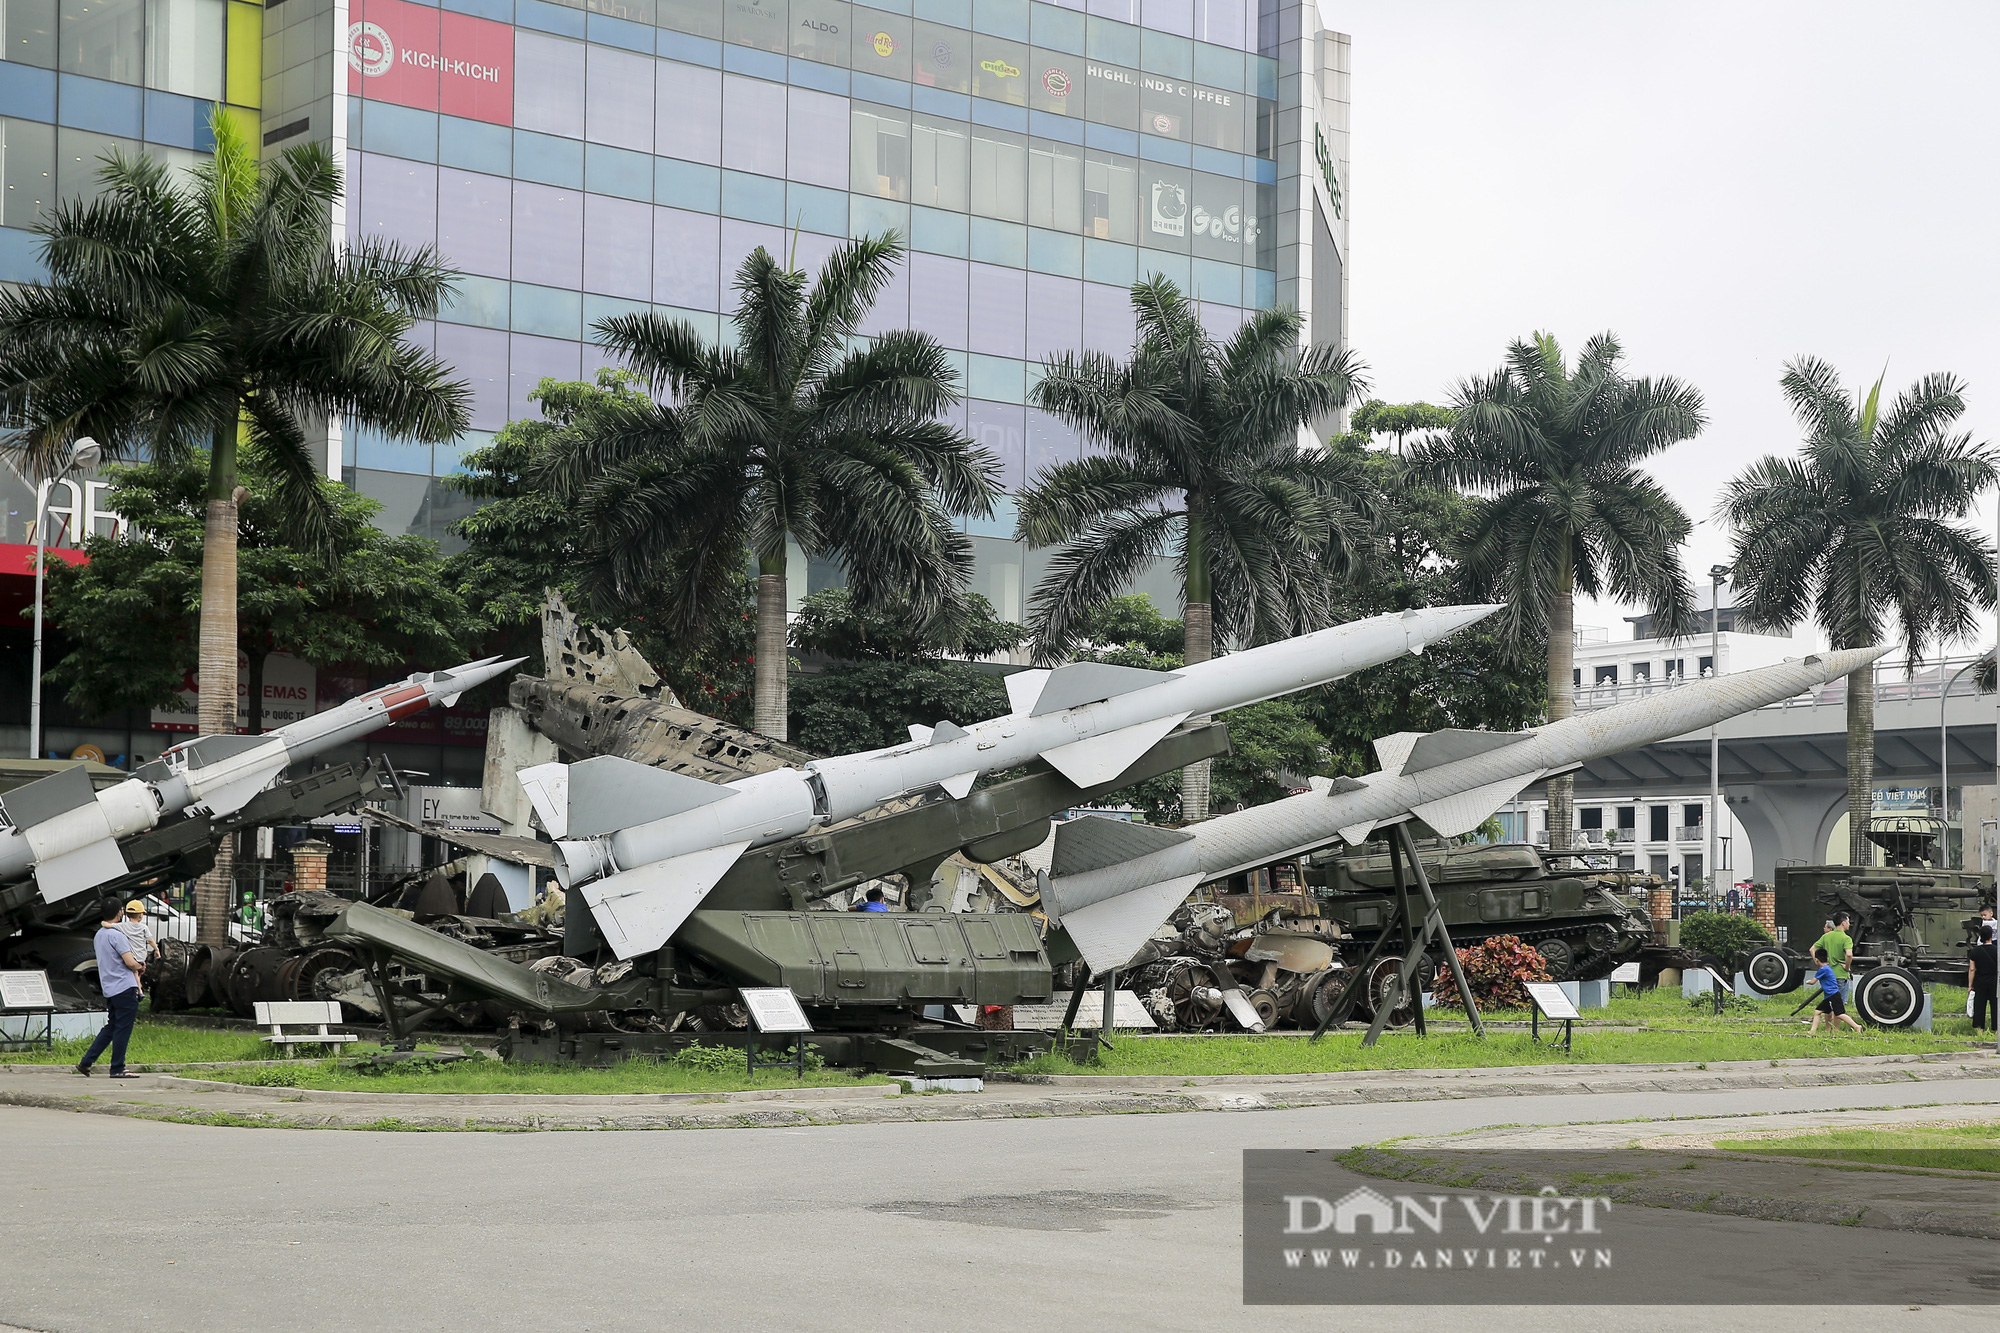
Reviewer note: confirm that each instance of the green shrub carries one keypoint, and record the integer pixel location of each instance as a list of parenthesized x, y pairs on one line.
[(1720, 935)]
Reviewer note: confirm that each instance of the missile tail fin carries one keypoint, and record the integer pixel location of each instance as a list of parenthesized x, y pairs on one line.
[(1022, 687), (1109, 932), (920, 733), (1087, 682), (1102, 758), (1391, 751), (1451, 743), (639, 910), (1356, 834), (956, 787), (547, 789), (228, 800), (947, 731), (88, 866), (1092, 842), (608, 793), (1462, 812)]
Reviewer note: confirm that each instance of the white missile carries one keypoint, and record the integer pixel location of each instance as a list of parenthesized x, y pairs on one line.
[(67, 834), (645, 846), (1111, 883)]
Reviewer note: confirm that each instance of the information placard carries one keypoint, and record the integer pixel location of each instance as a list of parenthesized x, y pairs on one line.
[(775, 1009), (1551, 999), (1625, 972), (25, 990)]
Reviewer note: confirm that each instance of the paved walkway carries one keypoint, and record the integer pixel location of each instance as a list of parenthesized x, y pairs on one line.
[(159, 1096)]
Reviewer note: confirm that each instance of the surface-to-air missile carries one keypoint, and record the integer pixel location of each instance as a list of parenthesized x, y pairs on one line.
[(1111, 883), (66, 834), (643, 847)]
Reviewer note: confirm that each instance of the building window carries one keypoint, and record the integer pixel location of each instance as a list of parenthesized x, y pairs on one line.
[(1642, 673), (1576, 677), (1657, 865), (1606, 675), (1675, 668), (941, 155), (1691, 868), (105, 39), (27, 172), (1628, 818), (880, 155), (1591, 817), (1691, 814), (184, 46), (1707, 666), (1110, 197), (1626, 861), (1656, 822)]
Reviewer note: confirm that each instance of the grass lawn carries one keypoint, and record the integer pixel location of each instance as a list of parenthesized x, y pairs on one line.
[(1462, 1050), (634, 1075), (169, 1044), (1954, 1147)]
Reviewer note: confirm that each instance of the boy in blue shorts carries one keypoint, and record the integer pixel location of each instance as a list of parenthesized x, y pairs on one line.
[(1832, 1004)]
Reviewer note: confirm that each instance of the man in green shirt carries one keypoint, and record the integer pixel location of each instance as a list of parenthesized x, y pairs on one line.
[(1839, 946)]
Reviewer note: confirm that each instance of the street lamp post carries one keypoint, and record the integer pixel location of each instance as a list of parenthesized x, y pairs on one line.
[(83, 454), (1716, 574)]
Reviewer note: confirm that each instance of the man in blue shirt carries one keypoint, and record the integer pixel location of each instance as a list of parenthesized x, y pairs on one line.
[(873, 902), (1832, 1003), (118, 971)]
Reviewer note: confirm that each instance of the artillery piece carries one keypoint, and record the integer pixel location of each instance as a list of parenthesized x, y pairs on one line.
[(1904, 922)]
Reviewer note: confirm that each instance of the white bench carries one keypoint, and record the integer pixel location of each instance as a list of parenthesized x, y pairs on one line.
[(278, 1014)]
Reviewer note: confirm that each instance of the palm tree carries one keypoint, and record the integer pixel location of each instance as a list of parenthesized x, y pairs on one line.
[(1202, 463), (794, 434), (217, 312), (1552, 455), (1856, 530)]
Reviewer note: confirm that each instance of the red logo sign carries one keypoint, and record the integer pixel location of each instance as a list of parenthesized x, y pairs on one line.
[(434, 60)]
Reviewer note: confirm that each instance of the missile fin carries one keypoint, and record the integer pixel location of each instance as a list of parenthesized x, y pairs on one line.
[(1102, 758), (205, 750), (947, 731), (1449, 744), (1093, 842), (1464, 811), (607, 793), (85, 868), (1087, 682), (639, 910), (1109, 932), (36, 802), (1238, 1005), (227, 800), (1391, 751), (1335, 786), (547, 789), (1022, 687), (920, 733), (1356, 834), (957, 787)]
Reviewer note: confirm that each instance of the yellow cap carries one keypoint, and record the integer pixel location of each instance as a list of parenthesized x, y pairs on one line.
[(135, 906)]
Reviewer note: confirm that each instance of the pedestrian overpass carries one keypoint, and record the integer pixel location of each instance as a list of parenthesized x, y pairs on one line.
[(1784, 768)]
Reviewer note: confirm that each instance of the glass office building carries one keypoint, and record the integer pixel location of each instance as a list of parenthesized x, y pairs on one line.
[(579, 162)]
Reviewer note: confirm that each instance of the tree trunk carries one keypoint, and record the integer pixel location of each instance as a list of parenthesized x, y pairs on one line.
[(215, 677), (1860, 764), (1197, 645), (773, 683), (1562, 701)]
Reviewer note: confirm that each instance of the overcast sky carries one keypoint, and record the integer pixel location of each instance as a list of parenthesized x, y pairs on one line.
[(1726, 186)]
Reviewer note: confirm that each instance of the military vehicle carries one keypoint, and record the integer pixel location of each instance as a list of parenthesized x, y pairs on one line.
[(1910, 927), (1578, 920)]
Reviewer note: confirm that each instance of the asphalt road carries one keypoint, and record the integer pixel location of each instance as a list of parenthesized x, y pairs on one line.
[(1113, 1222)]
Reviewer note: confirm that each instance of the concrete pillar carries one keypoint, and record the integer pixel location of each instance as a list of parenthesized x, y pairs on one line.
[(1787, 822), (511, 745), (309, 866)]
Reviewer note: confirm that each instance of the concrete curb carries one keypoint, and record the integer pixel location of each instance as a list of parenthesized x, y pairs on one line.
[(388, 1111), (859, 1091)]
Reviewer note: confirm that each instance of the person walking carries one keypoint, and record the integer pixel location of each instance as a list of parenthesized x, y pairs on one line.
[(1832, 1002), (1982, 968), (118, 972), (1839, 946)]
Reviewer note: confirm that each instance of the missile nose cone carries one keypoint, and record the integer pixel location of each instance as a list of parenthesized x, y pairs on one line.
[(1430, 623), (478, 673), (1843, 661)]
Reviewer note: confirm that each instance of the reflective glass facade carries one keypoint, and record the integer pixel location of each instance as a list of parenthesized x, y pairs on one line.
[(579, 162)]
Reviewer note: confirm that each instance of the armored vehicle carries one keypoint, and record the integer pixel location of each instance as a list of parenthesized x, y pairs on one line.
[(1575, 918)]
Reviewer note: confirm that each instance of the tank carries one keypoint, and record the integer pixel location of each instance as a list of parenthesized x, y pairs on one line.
[(1579, 920)]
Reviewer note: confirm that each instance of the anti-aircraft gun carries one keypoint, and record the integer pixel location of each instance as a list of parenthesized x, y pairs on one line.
[(1910, 928)]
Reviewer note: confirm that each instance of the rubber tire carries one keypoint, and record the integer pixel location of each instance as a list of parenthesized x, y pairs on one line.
[(1769, 971), (1888, 997)]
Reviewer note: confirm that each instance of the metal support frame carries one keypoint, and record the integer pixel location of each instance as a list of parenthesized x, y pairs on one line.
[(1402, 852), (752, 1064), (1535, 1026)]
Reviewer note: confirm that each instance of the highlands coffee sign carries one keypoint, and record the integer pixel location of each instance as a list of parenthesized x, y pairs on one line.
[(431, 59)]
